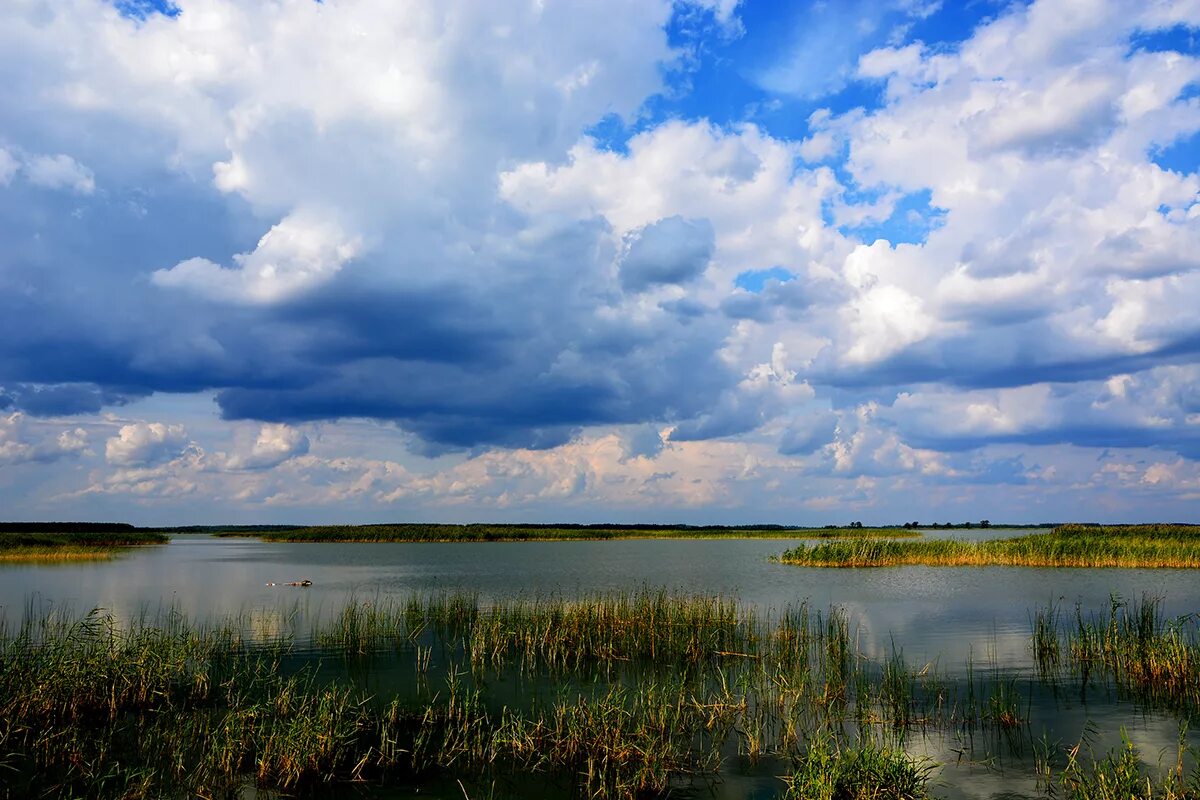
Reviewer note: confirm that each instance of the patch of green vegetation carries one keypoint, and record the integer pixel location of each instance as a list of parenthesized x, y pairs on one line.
[(1119, 775), (1143, 652), (66, 545), (423, 532), (1156, 545), (863, 770)]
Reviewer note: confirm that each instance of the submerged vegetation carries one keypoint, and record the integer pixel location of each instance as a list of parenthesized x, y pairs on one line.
[(69, 545), (1160, 545), (429, 532), (614, 696)]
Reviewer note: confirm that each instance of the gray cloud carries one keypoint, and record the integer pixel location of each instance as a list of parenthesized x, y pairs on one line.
[(671, 251)]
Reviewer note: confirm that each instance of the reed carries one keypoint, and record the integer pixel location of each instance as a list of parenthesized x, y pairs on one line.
[(1151, 546), (1119, 775), (1135, 646), (615, 696), (72, 546)]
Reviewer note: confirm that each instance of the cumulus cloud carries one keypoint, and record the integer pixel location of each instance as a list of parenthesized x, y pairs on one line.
[(145, 444), (20, 445), (60, 172), (337, 211), (300, 253), (273, 445)]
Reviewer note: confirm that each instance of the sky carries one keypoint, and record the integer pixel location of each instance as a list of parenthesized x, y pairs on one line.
[(702, 261)]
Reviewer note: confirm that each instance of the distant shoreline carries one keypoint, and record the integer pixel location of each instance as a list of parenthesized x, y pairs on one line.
[(76, 540), (417, 532), (73, 545)]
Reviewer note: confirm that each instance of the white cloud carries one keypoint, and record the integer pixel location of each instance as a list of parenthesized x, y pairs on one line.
[(8, 166), (274, 444), (146, 443), (443, 247), (298, 254), (886, 61), (60, 172), (21, 445)]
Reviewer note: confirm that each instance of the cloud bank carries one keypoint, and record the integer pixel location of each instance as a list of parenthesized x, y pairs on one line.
[(966, 264)]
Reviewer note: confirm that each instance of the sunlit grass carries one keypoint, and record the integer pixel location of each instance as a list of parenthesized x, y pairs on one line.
[(1155, 546)]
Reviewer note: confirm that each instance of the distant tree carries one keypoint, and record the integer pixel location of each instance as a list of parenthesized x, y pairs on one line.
[(856, 524), (983, 523)]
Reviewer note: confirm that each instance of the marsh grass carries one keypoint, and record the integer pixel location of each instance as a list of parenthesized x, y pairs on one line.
[(423, 532), (1154, 546), (72, 546), (1119, 774), (1133, 644), (617, 696)]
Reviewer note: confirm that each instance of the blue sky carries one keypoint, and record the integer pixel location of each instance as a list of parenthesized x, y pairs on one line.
[(698, 261)]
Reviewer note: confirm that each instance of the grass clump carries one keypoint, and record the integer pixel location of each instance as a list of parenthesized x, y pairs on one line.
[(38, 545), (863, 770), (1153, 546), (1119, 775)]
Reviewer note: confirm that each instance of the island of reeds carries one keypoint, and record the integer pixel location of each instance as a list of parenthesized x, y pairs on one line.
[(1147, 546), (484, 532), (70, 541), (627, 696)]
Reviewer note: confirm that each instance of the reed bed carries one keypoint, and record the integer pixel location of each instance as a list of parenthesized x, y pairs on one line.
[(614, 696), (1133, 644), (36, 545), (1148, 546), (422, 532)]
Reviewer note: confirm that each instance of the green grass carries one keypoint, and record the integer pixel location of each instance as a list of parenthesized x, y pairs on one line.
[(1145, 653), (69, 546), (1153, 546), (422, 532), (1119, 775), (615, 696), (830, 769)]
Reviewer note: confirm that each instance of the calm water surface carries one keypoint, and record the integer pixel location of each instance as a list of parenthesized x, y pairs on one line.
[(930, 611), (942, 615)]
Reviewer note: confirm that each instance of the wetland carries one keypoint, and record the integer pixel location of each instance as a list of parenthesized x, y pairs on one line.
[(559, 669)]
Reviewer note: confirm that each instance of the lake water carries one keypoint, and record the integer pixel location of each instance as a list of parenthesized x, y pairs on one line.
[(935, 614)]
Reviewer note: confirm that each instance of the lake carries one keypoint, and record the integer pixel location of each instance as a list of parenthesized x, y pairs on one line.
[(935, 615)]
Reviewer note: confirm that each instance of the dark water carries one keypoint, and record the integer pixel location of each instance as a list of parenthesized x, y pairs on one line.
[(941, 615)]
